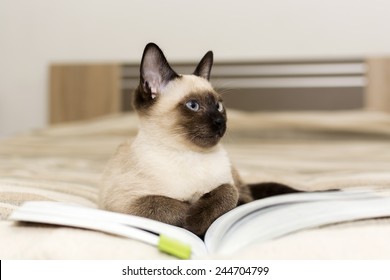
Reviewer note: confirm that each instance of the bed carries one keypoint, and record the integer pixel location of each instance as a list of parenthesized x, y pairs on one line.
[(307, 149)]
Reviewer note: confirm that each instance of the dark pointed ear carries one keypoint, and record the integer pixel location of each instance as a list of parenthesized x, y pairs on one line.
[(155, 70), (204, 67)]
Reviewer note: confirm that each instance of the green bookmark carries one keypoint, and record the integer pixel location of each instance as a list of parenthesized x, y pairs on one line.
[(174, 247)]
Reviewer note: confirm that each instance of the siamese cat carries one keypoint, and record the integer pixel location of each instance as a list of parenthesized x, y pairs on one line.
[(176, 171)]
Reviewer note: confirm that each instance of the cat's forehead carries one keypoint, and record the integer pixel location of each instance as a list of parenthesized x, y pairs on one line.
[(187, 85)]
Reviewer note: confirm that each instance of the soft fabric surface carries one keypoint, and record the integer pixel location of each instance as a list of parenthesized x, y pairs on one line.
[(310, 151)]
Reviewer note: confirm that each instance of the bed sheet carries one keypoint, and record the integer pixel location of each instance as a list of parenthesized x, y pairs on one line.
[(307, 150)]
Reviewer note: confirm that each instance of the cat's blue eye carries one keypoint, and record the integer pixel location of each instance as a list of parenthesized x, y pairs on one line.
[(193, 105), (220, 106)]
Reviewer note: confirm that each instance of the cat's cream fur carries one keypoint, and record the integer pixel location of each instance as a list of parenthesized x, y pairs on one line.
[(156, 163), (161, 163), (175, 170)]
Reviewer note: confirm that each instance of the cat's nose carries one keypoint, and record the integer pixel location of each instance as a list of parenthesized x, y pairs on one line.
[(219, 122), (220, 125)]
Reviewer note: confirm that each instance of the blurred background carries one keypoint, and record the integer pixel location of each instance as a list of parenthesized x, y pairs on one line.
[(37, 33)]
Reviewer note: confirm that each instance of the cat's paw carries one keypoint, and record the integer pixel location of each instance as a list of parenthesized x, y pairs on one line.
[(197, 220), (160, 208), (209, 207)]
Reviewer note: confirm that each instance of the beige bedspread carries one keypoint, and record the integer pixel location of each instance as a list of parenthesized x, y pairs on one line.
[(309, 150)]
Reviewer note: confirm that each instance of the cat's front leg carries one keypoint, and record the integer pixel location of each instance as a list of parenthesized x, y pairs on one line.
[(160, 208), (209, 207)]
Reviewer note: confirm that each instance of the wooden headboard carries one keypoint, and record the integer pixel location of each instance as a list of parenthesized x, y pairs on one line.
[(82, 91)]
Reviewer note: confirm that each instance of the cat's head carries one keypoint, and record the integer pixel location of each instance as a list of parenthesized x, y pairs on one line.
[(181, 108)]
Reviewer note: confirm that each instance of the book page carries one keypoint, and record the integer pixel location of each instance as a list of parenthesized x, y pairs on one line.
[(220, 228), (131, 226), (261, 226)]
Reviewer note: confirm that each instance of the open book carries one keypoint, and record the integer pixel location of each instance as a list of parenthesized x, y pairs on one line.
[(257, 221)]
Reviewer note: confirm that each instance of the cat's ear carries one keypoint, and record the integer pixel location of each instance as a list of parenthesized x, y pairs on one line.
[(204, 67), (155, 70)]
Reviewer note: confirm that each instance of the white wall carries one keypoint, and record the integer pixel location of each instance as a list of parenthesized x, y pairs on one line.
[(35, 33)]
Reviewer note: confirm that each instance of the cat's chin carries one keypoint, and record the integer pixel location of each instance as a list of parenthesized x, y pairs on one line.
[(206, 142)]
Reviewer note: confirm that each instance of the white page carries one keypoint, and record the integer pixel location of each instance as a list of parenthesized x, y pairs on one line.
[(260, 227), (91, 215), (104, 226), (222, 225)]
